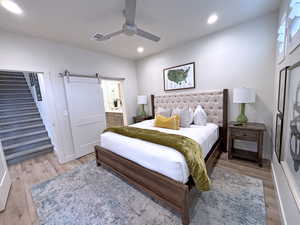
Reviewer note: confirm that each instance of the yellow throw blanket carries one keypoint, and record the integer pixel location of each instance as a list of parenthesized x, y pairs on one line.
[(190, 149)]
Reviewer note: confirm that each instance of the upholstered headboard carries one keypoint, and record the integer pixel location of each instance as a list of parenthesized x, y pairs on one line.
[(213, 102)]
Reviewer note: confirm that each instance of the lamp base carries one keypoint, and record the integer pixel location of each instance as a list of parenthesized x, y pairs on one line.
[(242, 118), (143, 113)]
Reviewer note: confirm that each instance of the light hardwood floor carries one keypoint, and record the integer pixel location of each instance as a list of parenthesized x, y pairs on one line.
[(21, 211)]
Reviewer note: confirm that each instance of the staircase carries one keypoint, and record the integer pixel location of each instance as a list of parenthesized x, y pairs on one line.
[(22, 132)]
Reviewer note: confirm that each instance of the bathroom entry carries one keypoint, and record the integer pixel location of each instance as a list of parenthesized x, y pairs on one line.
[(114, 102)]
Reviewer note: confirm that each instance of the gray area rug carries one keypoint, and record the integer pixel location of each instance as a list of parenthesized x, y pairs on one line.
[(91, 195)]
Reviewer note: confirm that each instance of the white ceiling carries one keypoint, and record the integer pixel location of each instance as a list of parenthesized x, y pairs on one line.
[(175, 21)]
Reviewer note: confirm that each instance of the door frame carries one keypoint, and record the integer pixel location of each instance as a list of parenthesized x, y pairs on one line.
[(122, 93), (5, 181), (51, 108)]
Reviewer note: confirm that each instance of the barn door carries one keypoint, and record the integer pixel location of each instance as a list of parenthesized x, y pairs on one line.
[(86, 112), (5, 181)]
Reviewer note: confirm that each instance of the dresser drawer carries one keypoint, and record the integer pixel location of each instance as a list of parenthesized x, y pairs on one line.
[(244, 134)]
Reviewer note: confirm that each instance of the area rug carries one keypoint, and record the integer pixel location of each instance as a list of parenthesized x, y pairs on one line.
[(91, 195)]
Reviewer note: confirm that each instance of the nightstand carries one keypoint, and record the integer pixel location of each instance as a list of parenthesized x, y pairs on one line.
[(247, 132), (137, 119)]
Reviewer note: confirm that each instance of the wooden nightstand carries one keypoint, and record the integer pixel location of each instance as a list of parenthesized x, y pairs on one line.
[(247, 132), (137, 119)]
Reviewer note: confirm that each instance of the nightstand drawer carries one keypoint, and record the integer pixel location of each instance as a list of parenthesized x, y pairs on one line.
[(244, 134)]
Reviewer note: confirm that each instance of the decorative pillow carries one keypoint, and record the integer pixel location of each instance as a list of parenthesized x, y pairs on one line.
[(200, 116), (186, 116), (163, 112), (167, 122)]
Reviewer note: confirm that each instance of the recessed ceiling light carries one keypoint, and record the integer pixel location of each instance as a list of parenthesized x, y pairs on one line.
[(11, 6), (212, 18), (140, 49)]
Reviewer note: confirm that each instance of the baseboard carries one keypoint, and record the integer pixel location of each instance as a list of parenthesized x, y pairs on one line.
[(4, 190), (275, 182)]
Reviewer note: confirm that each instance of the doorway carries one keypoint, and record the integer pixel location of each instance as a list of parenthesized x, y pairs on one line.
[(115, 109)]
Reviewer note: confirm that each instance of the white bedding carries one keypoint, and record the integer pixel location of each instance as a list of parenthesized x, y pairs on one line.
[(161, 159)]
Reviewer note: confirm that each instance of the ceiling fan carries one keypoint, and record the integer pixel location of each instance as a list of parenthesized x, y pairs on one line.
[(129, 28)]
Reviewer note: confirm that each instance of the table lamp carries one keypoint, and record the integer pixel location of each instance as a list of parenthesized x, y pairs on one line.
[(142, 100), (243, 96)]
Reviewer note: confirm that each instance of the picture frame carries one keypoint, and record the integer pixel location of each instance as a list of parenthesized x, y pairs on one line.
[(290, 153), (282, 90), (179, 77), (278, 136)]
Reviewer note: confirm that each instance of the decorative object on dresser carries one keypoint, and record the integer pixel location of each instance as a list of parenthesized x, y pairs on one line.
[(243, 96), (179, 77), (142, 100), (163, 188), (246, 132), (137, 119)]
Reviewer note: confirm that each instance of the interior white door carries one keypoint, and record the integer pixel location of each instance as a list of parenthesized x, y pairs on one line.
[(5, 181), (86, 113)]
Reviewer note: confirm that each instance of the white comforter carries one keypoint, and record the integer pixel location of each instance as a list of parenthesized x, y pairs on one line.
[(161, 159)]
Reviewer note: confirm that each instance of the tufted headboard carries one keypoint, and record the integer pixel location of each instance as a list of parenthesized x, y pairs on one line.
[(214, 103)]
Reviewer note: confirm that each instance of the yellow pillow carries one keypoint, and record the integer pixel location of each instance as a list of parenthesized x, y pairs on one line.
[(167, 122)]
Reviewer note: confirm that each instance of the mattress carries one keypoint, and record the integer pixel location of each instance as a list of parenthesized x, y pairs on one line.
[(162, 159)]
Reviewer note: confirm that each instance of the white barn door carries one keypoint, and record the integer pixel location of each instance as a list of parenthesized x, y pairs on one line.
[(5, 181), (86, 113)]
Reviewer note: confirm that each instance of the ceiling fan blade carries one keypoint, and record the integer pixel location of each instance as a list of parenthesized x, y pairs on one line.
[(147, 35), (100, 37), (130, 9)]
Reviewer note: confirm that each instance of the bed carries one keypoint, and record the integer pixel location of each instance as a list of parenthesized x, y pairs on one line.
[(162, 171)]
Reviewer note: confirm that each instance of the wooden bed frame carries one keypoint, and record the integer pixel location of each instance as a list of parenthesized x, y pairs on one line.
[(166, 190)]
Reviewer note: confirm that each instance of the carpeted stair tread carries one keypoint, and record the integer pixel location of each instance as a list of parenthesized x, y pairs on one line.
[(23, 135), (17, 104), (17, 109), (19, 115), (12, 76), (21, 128), (44, 148), (15, 89), (30, 98), (13, 81), (7, 148), (20, 121), (18, 85)]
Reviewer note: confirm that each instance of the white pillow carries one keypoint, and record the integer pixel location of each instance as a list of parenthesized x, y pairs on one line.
[(186, 116), (200, 116), (163, 112)]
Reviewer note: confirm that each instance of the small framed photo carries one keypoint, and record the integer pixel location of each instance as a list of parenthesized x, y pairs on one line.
[(278, 136), (179, 77), (282, 90)]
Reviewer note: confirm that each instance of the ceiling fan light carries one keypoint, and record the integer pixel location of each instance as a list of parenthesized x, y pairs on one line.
[(11, 6), (213, 18), (140, 49)]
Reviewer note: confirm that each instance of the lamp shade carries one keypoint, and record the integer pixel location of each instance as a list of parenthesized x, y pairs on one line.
[(142, 99), (243, 95)]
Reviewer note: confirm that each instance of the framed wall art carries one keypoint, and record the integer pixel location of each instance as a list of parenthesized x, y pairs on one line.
[(282, 90), (179, 77), (290, 160), (278, 136)]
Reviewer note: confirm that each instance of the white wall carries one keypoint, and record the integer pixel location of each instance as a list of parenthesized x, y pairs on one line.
[(30, 54), (239, 56), (291, 213)]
